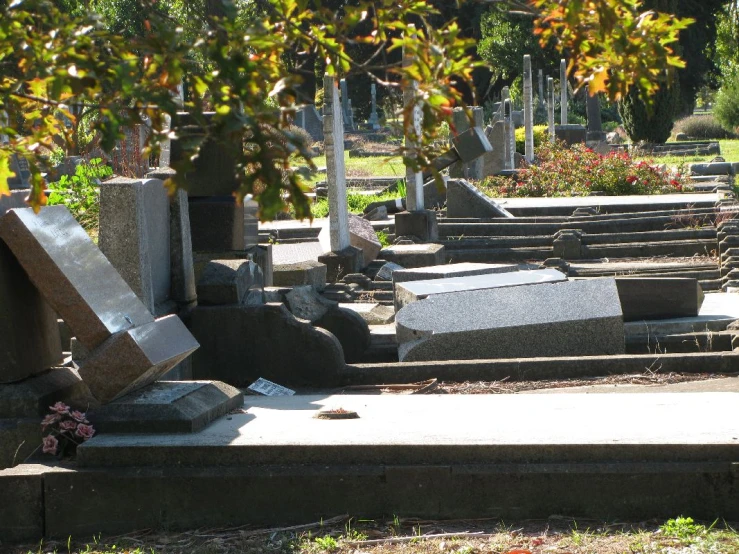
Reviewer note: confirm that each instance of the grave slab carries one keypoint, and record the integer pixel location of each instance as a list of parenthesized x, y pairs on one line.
[(414, 255), (413, 291), (445, 271), (305, 303), (574, 318), (361, 235), (308, 272), (132, 359), (228, 282), (283, 254), (168, 407), (659, 297), (465, 200), (72, 274), (420, 223)]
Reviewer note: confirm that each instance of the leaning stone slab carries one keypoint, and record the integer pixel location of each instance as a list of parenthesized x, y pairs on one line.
[(464, 200), (414, 255), (137, 357), (168, 407), (446, 271), (647, 298), (574, 318), (361, 235), (29, 332), (72, 274), (413, 291), (385, 273)]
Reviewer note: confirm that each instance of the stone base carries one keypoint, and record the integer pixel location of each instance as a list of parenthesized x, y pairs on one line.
[(571, 133), (414, 255), (344, 262), (168, 407), (659, 297), (421, 223), (300, 273)]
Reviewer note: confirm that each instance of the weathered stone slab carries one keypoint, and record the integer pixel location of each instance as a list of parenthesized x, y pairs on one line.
[(291, 253), (464, 200), (72, 274), (413, 291), (350, 329), (168, 407), (645, 298), (414, 255), (134, 358), (575, 318), (711, 168), (305, 303), (29, 333), (134, 236), (280, 347), (571, 133), (361, 235), (446, 271), (386, 271), (229, 282), (301, 273)]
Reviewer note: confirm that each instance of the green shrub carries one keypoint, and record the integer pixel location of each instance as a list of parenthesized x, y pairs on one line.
[(726, 107), (702, 127), (80, 193), (541, 134), (579, 171)]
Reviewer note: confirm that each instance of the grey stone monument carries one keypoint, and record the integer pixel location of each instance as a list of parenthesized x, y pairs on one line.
[(541, 88), (474, 169), (510, 159), (346, 107), (595, 126), (374, 119), (550, 107), (528, 108), (563, 91)]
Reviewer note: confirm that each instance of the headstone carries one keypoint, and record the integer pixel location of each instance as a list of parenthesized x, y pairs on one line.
[(131, 359), (595, 127), (374, 120), (413, 291), (305, 303), (230, 282), (571, 134), (414, 255), (550, 107), (309, 119), (541, 88), (168, 407), (473, 169), (362, 235), (386, 271), (510, 142), (294, 274), (72, 274), (446, 271), (575, 318), (216, 224), (528, 108), (182, 286), (563, 91), (645, 298), (333, 131), (413, 179), (134, 236), (29, 333), (347, 116), (465, 200), (495, 161), (350, 329), (22, 178)]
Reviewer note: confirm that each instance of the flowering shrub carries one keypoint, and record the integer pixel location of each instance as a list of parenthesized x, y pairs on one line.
[(67, 429), (579, 171)]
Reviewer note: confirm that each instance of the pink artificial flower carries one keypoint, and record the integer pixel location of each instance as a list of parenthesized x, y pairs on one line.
[(68, 425), (50, 419), (78, 416), (60, 408), (50, 444), (85, 431)]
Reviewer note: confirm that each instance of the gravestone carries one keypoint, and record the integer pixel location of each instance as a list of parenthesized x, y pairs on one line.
[(346, 107), (414, 255), (216, 224), (475, 168), (571, 134), (374, 120), (230, 282), (528, 108), (550, 108), (134, 236), (495, 161), (563, 91), (445, 271), (510, 140), (464, 200), (413, 291), (647, 298), (595, 126), (574, 318), (22, 177), (541, 88), (309, 119)]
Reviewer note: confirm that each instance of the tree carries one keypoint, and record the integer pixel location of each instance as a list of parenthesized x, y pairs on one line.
[(237, 69)]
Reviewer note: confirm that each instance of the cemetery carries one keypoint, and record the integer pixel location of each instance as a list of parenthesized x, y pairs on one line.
[(174, 361)]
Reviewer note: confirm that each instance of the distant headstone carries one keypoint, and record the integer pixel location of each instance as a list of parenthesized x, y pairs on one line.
[(230, 282), (413, 291), (22, 178), (510, 151), (386, 271), (473, 169), (563, 91), (216, 224), (374, 119), (446, 271), (528, 108), (575, 318), (595, 127), (346, 110), (414, 255), (309, 119), (550, 108), (541, 88), (465, 200), (308, 272)]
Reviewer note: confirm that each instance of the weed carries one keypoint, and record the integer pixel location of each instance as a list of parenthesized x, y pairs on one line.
[(382, 237), (327, 543), (683, 528)]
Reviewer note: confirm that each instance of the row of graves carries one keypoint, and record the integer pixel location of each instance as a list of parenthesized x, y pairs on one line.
[(154, 335)]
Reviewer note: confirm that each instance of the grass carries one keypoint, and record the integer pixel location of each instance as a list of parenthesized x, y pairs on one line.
[(371, 166), (729, 151), (409, 536), (356, 201)]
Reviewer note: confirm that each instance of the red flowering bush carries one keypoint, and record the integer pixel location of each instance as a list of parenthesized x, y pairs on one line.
[(580, 171), (67, 429)]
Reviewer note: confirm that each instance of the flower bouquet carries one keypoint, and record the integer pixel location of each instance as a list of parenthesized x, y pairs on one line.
[(67, 429)]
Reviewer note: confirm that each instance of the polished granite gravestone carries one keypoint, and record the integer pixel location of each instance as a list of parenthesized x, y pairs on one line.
[(445, 271), (647, 298), (72, 274), (413, 291), (29, 332), (574, 318)]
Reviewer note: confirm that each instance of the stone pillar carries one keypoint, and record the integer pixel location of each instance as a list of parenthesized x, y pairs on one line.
[(550, 107), (333, 138), (528, 108), (345, 109), (563, 91), (541, 88), (374, 120), (595, 126), (510, 131), (474, 169), (413, 180)]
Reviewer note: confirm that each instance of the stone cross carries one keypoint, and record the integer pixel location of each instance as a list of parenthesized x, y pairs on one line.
[(550, 107), (333, 140), (510, 160), (563, 91), (528, 108), (541, 88), (374, 120), (413, 180)]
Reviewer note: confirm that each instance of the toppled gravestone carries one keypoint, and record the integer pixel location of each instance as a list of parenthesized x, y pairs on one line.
[(659, 297), (445, 271), (574, 318), (361, 235), (465, 200)]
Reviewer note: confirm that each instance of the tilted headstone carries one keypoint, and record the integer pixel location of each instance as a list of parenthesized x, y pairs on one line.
[(574, 318), (563, 91), (465, 200), (473, 169), (528, 108), (134, 236)]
